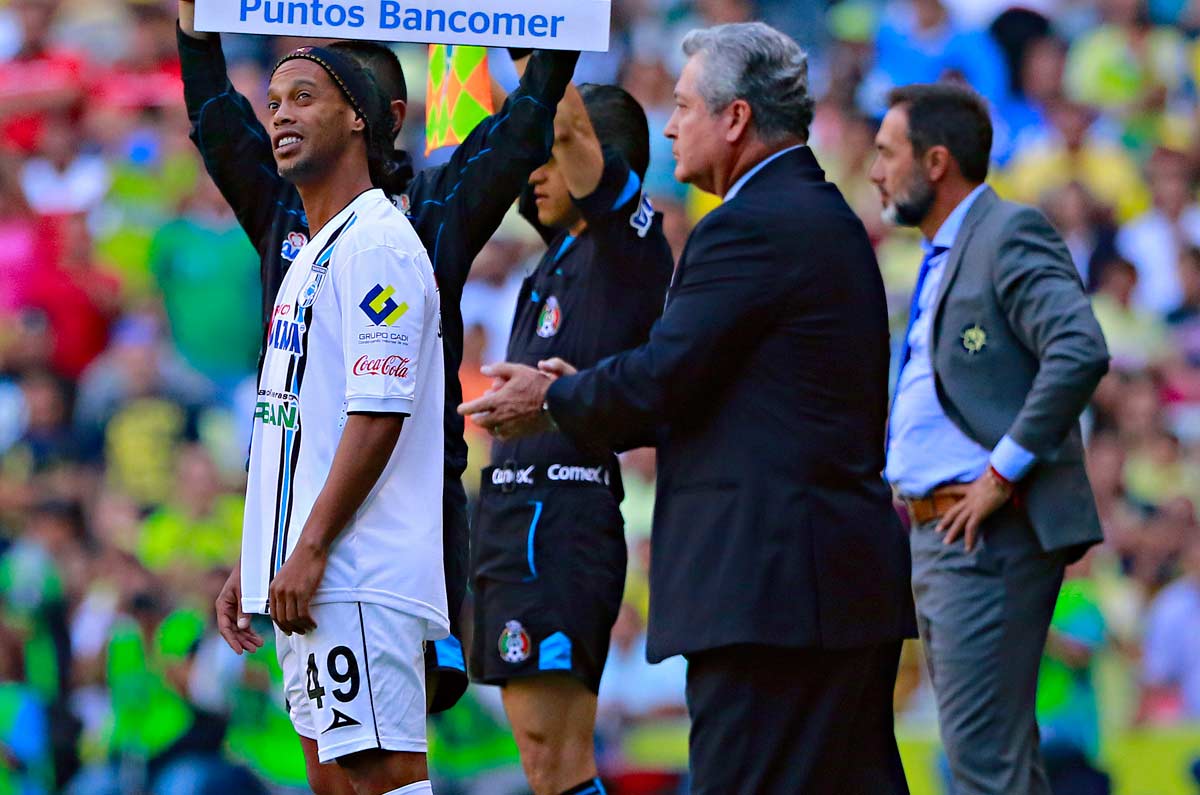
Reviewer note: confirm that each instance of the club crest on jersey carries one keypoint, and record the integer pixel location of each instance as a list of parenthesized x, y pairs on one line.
[(403, 203), (549, 319), (312, 287), (643, 218), (292, 245), (514, 643), (379, 307)]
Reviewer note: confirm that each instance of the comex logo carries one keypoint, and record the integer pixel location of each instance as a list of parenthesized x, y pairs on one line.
[(578, 474), (380, 308), (521, 477)]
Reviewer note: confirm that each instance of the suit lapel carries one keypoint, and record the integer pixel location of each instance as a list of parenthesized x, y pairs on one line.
[(954, 259)]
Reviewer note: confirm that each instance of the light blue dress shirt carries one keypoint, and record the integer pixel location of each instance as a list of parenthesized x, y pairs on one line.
[(741, 183), (925, 448)]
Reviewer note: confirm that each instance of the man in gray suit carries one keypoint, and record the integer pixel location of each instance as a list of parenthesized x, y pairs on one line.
[(1001, 356)]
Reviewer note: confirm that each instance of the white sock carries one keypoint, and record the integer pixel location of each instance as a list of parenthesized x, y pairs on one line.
[(417, 788)]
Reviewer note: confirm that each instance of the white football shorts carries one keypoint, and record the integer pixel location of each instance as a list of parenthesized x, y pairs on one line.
[(357, 682)]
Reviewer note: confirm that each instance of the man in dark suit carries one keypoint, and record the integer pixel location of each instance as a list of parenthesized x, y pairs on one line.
[(780, 569), (1001, 355)]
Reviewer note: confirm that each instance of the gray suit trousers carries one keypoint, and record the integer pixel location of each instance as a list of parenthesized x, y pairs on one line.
[(983, 617)]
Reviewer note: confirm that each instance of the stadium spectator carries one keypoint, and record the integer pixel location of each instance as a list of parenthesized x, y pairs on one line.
[(919, 42), (197, 529), (39, 78), (21, 237), (1086, 228), (1073, 150), (1154, 241), (1136, 337), (1067, 708), (200, 260), (1129, 66), (62, 178), (77, 297), (1171, 665), (632, 691)]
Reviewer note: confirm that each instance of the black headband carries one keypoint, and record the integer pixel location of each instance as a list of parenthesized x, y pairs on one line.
[(347, 75)]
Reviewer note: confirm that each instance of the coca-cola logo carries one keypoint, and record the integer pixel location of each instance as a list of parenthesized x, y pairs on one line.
[(396, 366)]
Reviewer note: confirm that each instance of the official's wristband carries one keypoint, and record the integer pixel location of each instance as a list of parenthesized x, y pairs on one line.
[(996, 474)]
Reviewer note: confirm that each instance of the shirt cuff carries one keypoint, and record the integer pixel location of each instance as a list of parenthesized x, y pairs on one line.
[(556, 398), (1012, 460), (378, 405)]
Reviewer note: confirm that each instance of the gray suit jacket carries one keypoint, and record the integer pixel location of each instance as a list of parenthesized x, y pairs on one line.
[(1016, 350)]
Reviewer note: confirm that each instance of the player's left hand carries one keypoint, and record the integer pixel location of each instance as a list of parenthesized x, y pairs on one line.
[(983, 498), (293, 588), (514, 406)]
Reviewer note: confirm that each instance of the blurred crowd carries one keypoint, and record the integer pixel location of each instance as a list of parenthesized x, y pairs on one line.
[(129, 333)]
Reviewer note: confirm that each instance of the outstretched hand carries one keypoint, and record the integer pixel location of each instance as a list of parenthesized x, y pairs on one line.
[(513, 407)]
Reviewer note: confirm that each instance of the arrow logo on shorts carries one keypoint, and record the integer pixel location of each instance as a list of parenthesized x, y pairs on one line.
[(340, 721)]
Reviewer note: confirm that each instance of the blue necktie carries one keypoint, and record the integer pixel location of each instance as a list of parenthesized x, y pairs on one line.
[(914, 311)]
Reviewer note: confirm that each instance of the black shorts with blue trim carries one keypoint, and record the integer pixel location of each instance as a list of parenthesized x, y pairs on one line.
[(445, 657), (548, 569)]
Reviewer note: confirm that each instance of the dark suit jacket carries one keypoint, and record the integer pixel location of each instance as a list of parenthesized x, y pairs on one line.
[(1034, 359), (765, 384)]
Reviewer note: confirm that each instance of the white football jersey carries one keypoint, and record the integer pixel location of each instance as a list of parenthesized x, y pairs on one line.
[(356, 328)]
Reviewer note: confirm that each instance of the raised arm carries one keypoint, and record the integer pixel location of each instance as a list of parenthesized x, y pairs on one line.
[(577, 150), (487, 172), (235, 147)]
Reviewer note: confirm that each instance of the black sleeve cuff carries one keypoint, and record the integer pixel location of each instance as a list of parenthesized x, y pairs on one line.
[(558, 397), (202, 63), (617, 192), (547, 75)]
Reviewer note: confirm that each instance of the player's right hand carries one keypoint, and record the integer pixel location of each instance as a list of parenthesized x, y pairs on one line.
[(233, 624)]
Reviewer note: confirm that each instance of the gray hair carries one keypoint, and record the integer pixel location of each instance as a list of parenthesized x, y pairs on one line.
[(756, 63)]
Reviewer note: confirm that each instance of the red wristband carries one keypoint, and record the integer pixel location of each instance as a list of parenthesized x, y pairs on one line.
[(996, 474)]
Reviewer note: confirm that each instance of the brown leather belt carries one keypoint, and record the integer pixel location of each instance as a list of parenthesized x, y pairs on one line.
[(935, 506)]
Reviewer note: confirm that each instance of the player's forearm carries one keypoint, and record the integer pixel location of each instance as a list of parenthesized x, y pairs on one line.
[(576, 147), (187, 19), (366, 446)]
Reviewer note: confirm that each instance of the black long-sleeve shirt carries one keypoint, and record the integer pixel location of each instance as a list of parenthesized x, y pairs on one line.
[(454, 208)]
